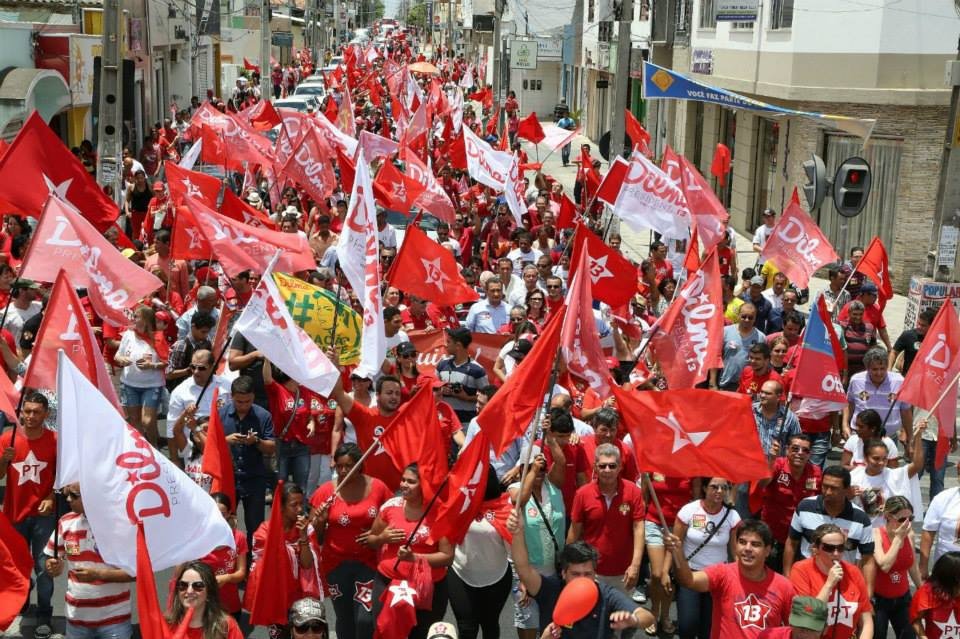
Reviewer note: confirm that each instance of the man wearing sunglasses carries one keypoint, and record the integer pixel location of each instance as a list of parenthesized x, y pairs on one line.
[(184, 414), (98, 595)]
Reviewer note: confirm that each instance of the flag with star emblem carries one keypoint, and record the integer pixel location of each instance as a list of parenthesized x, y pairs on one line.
[(236, 209), (187, 241), (612, 277), (183, 183), (687, 339), (38, 164), (394, 190), (579, 337), (398, 615), (677, 433), (426, 269), (462, 497)]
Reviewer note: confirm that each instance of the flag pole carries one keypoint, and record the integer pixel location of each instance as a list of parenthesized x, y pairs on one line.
[(433, 500), (943, 395), (336, 312), (56, 527), (656, 502)]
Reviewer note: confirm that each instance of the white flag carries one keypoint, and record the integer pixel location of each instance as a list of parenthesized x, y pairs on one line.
[(267, 324), (125, 480), (649, 199), (190, 157), (514, 192), (358, 251), (483, 163), (555, 137)]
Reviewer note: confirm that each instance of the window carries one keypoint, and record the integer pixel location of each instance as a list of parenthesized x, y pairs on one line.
[(708, 15), (605, 31), (641, 10), (742, 26), (781, 14), (590, 10), (683, 15), (524, 85)]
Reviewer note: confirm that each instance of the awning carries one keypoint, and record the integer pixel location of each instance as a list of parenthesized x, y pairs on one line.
[(23, 90), (661, 83)]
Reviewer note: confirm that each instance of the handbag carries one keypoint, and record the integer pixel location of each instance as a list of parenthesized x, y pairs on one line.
[(553, 538)]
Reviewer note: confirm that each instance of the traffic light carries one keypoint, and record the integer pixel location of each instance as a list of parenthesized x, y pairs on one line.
[(817, 183), (851, 186)]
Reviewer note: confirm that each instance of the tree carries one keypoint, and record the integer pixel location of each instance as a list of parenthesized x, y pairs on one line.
[(417, 16)]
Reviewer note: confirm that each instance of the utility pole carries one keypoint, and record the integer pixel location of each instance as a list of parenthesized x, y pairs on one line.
[(621, 97), (449, 27), (110, 108), (497, 52), (266, 86), (945, 229)]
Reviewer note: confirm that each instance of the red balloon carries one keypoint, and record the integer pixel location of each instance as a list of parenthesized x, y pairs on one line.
[(576, 601)]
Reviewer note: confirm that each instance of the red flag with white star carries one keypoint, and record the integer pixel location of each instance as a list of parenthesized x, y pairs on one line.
[(426, 269), (394, 190), (875, 265), (462, 497), (398, 615), (183, 182), (612, 275)]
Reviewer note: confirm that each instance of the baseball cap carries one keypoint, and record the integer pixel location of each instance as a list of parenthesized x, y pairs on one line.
[(442, 630), (809, 613), (769, 212), (23, 283), (757, 280), (868, 288), (158, 186), (406, 348), (521, 349), (306, 610)]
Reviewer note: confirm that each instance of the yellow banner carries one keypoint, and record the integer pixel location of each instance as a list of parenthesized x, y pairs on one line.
[(313, 309)]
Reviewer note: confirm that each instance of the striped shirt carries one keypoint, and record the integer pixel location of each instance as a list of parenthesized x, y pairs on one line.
[(854, 523), (89, 604)]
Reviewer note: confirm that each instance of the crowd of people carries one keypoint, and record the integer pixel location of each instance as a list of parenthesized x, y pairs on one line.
[(823, 546)]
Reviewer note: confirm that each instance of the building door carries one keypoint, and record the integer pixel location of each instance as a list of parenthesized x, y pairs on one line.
[(728, 135), (768, 135)]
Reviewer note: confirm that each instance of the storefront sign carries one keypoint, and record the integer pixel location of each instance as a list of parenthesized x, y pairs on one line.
[(736, 10), (701, 61), (523, 54)]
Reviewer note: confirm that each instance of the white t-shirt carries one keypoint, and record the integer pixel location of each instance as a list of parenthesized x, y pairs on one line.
[(855, 445), (387, 236), (519, 258), (699, 524), (876, 489), (481, 559), (135, 349), (943, 518), (17, 317)]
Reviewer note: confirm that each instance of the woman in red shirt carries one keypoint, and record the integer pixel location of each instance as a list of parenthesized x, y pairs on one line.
[(896, 560), (197, 588), (935, 608), (398, 519), (293, 424), (349, 562), (229, 564)]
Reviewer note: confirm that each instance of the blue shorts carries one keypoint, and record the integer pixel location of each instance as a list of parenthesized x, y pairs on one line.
[(652, 534), (133, 396)]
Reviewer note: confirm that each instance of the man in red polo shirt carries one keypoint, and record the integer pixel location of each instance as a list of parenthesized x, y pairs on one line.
[(605, 424), (421, 315), (792, 478), (608, 514), (758, 371)]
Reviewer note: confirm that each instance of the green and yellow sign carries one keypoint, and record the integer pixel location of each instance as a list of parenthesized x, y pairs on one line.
[(313, 309)]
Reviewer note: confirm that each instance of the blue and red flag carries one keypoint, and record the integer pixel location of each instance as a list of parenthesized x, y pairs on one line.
[(820, 359)]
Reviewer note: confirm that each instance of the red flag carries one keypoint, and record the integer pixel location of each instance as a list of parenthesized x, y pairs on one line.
[(509, 413), (612, 276), (263, 117), (15, 568), (797, 246), (152, 622), (241, 143), (398, 614), (241, 247), (188, 241), (38, 164), (122, 240), (820, 360), (213, 150), (795, 197), (721, 164), (707, 212), (414, 435), (331, 110), (635, 131), (612, 181), (65, 326), (309, 166), (463, 495), (566, 219), (227, 311), (875, 265), (934, 370), (395, 191), (9, 397), (454, 149), (579, 337), (426, 269), (236, 209), (347, 171), (183, 182), (530, 129), (691, 261), (65, 240), (677, 433), (250, 66), (688, 338), (217, 459), (434, 199), (266, 596)]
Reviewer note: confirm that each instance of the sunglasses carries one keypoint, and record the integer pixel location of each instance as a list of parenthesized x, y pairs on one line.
[(607, 466), (746, 317), (516, 320), (832, 548), (194, 367), (553, 286), (198, 586), (902, 519), (314, 626), (799, 449)]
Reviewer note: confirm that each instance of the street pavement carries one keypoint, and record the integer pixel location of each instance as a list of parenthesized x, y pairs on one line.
[(635, 245)]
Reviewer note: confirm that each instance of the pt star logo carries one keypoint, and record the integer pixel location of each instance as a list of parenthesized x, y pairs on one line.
[(195, 239), (29, 469), (471, 488), (681, 437), (598, 268), (950, 629), (402, 593), (435, 274), (843, 612), (60, 190), (192, 189), (752, 612)]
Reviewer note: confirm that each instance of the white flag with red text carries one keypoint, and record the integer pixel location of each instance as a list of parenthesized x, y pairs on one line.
[(126, 480), (797, 246), (514, 191), (483, 163), (358, 252), (649, 199)]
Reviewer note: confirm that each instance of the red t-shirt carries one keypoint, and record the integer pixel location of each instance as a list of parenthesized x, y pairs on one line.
[(346, 522), (30, 474), (940, 615), (281, 404), (432, 318), (223, 561), (784, 492), (725, 258), (750, 382), (576, 462), (848, 601), (609, 529), (895, 583), (742, 609), (324, 411), (673, 493), (392, 513), (233, 630), (628, 463), (369, 423)]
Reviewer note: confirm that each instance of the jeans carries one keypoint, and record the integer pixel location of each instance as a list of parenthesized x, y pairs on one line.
[(293, 458), (122, 630), (320, 472), (694, 611), (929, 465), (134, 396), (37, 531), (820, 444), (478, 608), (251, 492), (897, 613), (565, 154), (354, 611)]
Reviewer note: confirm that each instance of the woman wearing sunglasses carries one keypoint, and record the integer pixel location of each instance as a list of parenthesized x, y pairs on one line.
[(839, 584), (896, 560), (197, 589)]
